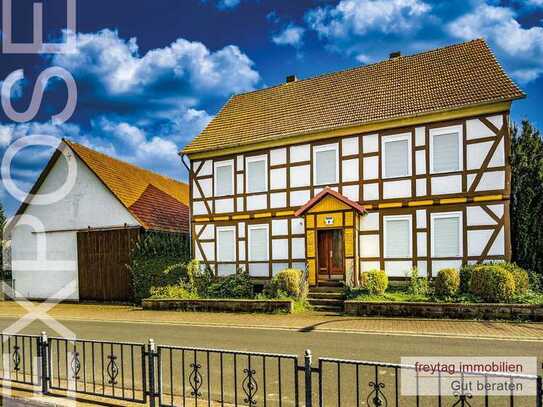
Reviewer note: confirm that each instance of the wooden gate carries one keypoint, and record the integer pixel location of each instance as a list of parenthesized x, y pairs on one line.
[(103, 256)]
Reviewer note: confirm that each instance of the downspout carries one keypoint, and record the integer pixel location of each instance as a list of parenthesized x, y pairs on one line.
[(187, 166)]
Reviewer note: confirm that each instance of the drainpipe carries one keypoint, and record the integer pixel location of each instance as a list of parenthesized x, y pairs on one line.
[(187, 166)]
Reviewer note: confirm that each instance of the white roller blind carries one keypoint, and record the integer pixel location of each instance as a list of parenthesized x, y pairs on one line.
[(223, 180), (445, 152), (256, 176), (446, 237), (396, 158), (226, 240), (326, 167), (258, 244), (397, 238)]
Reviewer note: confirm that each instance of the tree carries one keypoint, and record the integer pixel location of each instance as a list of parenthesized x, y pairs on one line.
[(527, 197)]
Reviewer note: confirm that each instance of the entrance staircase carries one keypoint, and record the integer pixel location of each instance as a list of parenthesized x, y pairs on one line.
[(328, 296)]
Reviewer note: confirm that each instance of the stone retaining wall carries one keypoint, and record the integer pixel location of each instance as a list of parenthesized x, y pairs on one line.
[(220, 305), (445, 310)]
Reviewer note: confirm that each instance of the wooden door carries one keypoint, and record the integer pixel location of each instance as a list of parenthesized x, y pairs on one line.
[(330, 254), (102, 262)]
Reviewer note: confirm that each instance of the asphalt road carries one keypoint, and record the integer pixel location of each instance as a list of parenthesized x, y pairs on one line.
[(359, 346)]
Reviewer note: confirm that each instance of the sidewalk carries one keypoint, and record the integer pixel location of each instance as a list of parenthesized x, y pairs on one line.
[(305, 322)]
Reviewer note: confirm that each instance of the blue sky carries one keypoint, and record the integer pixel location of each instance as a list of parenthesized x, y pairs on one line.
[(151, 74)]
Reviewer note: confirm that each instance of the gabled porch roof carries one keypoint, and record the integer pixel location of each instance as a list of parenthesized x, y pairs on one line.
[(324, 193)]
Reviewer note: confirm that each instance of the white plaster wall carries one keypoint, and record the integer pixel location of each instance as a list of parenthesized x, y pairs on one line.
[(207, 168), (279, 227), (369, 245), (477, 216), (300, 153), (298, 248), (297, 226), (476, 154), (349, 170), (446, 185), (199, 208), (256, 202), (280, 249), (397, 189), (420, 184), (351, 192), (369, 265), (224, 205), (241, 250), (241, 204), (240, 183), (278, 178), (278, 200), (491, 180), (208, 232), (299, 198), (369, 222), (421, 244), (278, 156), (371, 192), (370, 168), (370, 143), (420, 136), (398, 268), (498, 247), (349, 146), (421, 218), (88, 204), (420, 162), (300, 176), (477, 240), (477, 129), (445, 264)]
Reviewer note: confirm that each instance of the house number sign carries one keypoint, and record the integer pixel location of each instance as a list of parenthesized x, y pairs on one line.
[(329, 220)]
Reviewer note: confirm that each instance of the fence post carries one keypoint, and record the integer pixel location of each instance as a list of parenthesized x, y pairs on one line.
[(308, 379), (44, 354), (539, 396), (151, 352)]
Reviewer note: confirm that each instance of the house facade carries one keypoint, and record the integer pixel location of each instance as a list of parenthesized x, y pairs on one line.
[(395, 165), (77, 247)]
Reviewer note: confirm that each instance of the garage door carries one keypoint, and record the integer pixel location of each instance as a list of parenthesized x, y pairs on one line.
[(102, 259)]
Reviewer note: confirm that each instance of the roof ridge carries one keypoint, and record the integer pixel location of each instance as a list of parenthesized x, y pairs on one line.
[(71, 143), (360, 67)]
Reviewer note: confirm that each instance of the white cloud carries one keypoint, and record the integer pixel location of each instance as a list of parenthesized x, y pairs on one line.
[(291, 35), (5, 135), (521, 48), (359, 17), (228, 3)]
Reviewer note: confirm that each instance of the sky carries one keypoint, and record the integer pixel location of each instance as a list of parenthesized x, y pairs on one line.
[(151, 74)]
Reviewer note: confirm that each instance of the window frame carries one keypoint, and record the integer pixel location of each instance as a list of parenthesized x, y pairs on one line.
[(446, 215), (409, 218), (390, 139), (250, 228), (220, 229), (439, 131), (218, 164), (321, 148), (254, 158)]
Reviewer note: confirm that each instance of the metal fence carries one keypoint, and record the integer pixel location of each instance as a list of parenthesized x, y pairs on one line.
[(171, 376)]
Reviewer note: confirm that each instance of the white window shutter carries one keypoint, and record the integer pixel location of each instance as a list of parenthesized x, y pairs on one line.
[(326, 167), (223, 183), (446, 237), (445, 152), (258, 241), (226, 241), (396, 158), (256, 176), (397, 238)]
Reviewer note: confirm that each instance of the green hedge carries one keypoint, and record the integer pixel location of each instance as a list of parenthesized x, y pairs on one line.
[(375, 281), (493, 283), (447, 282), (287, 283)]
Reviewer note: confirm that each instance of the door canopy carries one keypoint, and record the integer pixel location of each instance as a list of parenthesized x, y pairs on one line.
[(328, 193)]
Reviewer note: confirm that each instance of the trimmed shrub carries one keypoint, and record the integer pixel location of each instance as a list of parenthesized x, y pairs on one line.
[(287, 283), (417, 285), (375, 281), (492, 283), (522, 280), (236, 285), (176, 292), (465, 277), (447, 282)]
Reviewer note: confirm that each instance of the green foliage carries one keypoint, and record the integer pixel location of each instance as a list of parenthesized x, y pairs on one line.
[(417, 285), (521, 277), (447, 282), (236, 285), (527, 197), (177, 292), (374, 281), (465, 277), (492, 283), (288, 283), (157, 261)]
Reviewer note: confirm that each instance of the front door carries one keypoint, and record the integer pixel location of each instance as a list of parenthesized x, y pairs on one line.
[(330, 254)]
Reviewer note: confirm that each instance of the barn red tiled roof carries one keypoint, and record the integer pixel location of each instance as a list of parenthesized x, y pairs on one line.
[(444, 79)]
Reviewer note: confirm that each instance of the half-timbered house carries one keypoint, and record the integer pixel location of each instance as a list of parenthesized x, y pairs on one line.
[(399, 164)]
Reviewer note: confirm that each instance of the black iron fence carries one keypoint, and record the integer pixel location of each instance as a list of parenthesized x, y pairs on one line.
[(171, 376)]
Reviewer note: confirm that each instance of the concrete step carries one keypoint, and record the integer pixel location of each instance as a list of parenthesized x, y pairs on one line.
[(327, 295), (328, 308), (326, 301), (330, 283), (325, 289)]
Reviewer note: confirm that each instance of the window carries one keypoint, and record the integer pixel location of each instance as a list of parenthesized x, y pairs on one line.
[(397, 236), (447, 234), (396, 156), (226, 243), (258, 243), (257, 174), (224, 178), (325, 164), (445, 151)]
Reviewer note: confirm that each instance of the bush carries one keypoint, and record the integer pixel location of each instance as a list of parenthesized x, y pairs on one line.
[(375, 281), (447, 282), (492, 283), (287, 283), (465, 277), (236, 285), (522, 280), (417, 285), (177, 292)]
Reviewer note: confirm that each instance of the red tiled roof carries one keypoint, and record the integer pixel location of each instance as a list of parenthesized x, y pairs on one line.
[(156, 209), (329, 191)]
